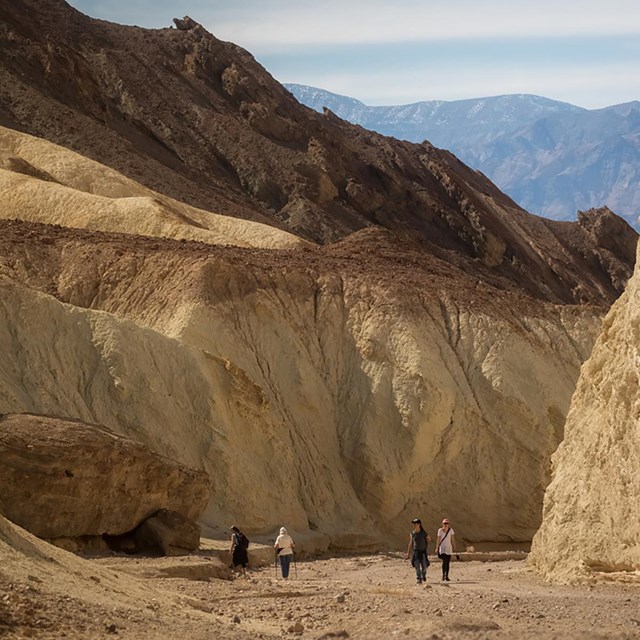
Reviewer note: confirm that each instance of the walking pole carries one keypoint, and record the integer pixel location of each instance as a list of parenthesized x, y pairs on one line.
[(275, 562), (295, 566)]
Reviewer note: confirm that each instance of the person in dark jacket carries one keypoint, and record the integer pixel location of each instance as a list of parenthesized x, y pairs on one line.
[(238, 549), (417, 550)]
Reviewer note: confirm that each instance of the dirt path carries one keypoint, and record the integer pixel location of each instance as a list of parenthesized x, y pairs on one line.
[(364, 597)]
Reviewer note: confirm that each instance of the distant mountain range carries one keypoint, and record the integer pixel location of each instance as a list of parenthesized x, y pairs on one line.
[(551, 157)]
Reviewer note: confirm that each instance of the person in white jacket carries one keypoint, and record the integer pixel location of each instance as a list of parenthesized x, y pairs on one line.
[(284, 546)]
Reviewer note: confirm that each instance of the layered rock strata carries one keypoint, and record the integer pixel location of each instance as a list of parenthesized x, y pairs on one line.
[(43, 182)]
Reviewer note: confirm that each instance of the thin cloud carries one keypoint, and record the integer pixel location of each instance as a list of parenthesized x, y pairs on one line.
[(356, 22)]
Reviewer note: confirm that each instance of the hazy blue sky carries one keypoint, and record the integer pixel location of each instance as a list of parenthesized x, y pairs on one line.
[(393, 52)]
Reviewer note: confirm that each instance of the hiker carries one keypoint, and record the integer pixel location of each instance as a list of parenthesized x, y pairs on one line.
[(418, 539), (238, 549), (445, 547), (284, 545)]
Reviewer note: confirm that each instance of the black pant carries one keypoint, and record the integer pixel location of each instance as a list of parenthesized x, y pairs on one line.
[(446, 560)]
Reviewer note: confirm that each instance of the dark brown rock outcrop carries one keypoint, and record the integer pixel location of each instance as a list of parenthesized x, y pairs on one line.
[(200, 120), (185, 24), (167, 533), (62, 478)]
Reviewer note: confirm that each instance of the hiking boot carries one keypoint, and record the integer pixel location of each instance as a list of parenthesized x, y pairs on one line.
[(447, 579)]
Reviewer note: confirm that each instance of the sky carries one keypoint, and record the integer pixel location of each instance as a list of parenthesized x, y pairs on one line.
[(586, 52)]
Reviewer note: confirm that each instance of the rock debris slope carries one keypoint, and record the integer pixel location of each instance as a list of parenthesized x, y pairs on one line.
[(591, 505), (48, 592)]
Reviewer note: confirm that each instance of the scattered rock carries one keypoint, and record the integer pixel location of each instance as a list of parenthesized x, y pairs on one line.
[(297, 628)]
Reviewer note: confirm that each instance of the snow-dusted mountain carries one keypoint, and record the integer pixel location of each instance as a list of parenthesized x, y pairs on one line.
[(569, 161), (552, 157)]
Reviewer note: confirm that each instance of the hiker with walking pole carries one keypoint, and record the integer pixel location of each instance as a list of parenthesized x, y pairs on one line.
[(284, 546)]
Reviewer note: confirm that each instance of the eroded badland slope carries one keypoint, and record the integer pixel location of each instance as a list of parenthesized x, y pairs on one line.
[(43, 182)]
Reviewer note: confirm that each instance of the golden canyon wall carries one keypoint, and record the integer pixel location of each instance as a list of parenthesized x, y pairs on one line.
[(590, 524), (337, 395)]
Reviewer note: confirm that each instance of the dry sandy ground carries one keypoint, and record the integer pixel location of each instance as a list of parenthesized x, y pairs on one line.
[(357, 597)]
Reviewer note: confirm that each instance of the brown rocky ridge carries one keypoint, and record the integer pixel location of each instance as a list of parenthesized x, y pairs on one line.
[(198, 119)]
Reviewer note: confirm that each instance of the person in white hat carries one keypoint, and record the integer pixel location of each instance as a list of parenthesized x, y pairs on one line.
[(445, 547), (284, 546)]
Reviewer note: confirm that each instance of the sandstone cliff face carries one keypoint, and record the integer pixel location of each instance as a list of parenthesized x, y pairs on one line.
[(327, 389), (590, 523)]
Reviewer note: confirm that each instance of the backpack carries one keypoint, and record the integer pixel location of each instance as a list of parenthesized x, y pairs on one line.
[(242, 541)]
